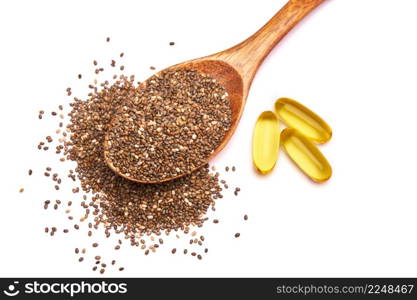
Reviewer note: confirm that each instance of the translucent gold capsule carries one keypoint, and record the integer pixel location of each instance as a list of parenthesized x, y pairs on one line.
[(306, 155), (265, 144), (298, 116)]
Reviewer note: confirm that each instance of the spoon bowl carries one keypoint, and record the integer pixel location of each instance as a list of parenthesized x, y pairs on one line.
[(235, 68)]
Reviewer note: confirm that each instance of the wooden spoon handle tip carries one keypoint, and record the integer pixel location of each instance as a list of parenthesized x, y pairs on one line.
[(247, 56)]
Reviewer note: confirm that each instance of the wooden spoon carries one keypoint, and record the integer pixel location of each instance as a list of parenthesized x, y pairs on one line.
[(236, 67)]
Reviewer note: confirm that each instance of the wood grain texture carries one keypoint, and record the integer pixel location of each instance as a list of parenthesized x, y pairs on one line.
[(247, 56), (236, 67)]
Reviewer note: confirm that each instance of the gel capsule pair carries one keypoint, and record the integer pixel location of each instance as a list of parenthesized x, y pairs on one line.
[(304, 126)]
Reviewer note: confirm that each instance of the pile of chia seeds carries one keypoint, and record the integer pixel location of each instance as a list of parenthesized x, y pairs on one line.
[(137, 214)]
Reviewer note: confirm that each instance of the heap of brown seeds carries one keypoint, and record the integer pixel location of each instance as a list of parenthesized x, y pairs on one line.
[(124, 207), (170, 127)]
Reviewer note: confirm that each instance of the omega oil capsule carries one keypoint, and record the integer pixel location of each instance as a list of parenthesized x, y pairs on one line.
[(308, 123), (265, 144), (306, 155)]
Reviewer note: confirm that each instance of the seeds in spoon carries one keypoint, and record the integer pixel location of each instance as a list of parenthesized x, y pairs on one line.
[(170, 127)]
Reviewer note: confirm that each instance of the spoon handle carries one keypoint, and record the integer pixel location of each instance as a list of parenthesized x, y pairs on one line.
[(247, 56)]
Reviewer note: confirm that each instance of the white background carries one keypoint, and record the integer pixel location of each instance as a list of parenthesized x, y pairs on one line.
[(352, 61)]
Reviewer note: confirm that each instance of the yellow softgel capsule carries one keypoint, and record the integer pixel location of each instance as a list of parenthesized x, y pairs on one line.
[(307, 122), (265, 144), (306, 155)]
